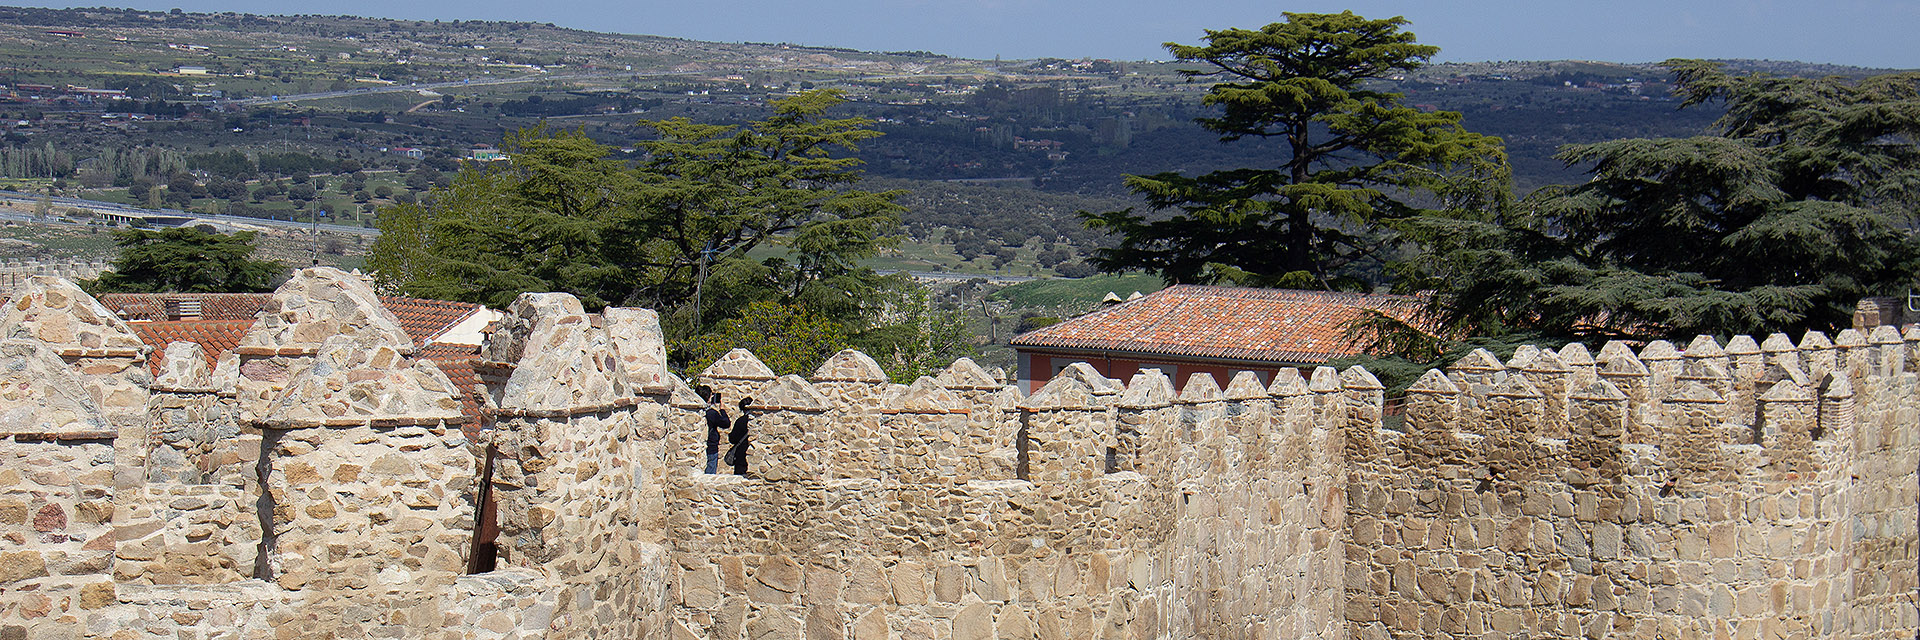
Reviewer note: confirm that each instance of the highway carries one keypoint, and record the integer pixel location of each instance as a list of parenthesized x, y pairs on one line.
[(431, 86), (470, 82), (29, 199)]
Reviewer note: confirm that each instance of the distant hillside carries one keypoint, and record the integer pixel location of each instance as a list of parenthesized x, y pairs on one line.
[(992, 155)]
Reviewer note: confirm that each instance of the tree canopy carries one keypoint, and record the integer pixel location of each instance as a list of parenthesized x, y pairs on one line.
[(187, 260), (1359, 161), (728, 215), (739, 235), (790, 340), (1792, 207)]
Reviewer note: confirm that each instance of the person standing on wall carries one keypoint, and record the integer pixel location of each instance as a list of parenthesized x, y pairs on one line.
[(737, 453), (716, 423)]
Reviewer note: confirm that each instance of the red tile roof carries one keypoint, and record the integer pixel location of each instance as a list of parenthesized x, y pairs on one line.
[(422, 319), (1281, 326), (425, 319), (225, 318), (456, 360), (214, 336), (220, 336), (213, 306)]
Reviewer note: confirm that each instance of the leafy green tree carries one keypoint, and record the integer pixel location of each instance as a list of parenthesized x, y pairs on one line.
[(138, 190), (912, 336), (228, 164), (226, 188), (189, 261), (787, 338), (1793, 206), (1358, 161), (690, 223)]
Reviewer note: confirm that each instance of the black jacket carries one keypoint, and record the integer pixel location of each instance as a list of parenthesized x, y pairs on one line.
[(716, 424)]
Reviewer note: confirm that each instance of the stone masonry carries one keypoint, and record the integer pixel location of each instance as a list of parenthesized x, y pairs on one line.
[(322, 481)]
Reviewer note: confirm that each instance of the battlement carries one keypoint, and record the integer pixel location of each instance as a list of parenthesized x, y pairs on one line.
[(1690, 411), (1782, 398), (325, 468)]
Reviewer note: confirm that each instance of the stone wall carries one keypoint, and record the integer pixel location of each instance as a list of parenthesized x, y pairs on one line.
[(15, 273), (56, 534), (320, 481), (1703, 504), (886, 537), (581, 464)]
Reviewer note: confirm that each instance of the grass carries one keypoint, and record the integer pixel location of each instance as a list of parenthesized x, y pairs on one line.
[(50, 241), (82, 238), (336, 200), (57, 242), (1059, 292)]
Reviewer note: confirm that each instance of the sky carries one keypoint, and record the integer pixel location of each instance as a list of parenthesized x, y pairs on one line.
[(1868, 33)]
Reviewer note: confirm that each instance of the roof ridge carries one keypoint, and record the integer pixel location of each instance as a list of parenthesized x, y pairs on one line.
[(1094, 313), (1269, 292), (1230, 323)]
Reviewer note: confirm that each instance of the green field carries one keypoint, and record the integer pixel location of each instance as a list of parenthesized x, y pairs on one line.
[(1082, 291), (94, 241)]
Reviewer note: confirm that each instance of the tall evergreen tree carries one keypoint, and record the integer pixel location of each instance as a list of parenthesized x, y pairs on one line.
[(1358, 161), (692, 221), (188, 261), (1792, 207)]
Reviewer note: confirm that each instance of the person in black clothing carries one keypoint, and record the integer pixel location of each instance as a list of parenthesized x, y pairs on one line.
[(716, 423), (737, 454)]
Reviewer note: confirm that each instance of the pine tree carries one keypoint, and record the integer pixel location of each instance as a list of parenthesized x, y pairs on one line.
[(1780, 218), (565, 216), (186, 260), (1359, 161)]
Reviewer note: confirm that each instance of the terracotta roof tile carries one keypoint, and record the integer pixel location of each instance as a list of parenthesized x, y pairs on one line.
[(456, 360), (213, 306), (425, 319), (214, 336), (422, 319), (1266, 325), (227, 317)]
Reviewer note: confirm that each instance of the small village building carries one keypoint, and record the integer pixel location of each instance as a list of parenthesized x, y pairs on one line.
[(1188, 329), (486, 153)]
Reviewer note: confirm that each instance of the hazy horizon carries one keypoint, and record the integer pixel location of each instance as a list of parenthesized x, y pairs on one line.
[(1862, 33)]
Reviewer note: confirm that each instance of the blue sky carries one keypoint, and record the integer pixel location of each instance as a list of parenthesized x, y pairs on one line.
[(1873, 33)]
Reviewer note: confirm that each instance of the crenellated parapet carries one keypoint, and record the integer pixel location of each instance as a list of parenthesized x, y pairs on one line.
[(735, 376), (102, 357), (561, 363), (318, 305), (1734, 454), (640, 348), (927, 440), (323, 479), (857, 388), (579, 456), (1068, 427), (987, 446), (1687, 407)]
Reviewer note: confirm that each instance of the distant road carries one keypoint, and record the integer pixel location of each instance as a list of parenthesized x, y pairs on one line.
[(29, 199), (985, 180), (949, 276), (470, 82), (413, 88), (109, 207)]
